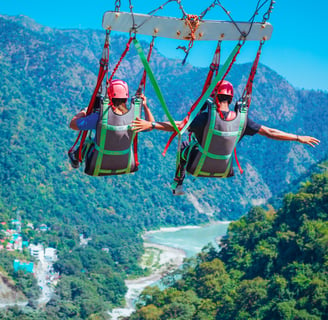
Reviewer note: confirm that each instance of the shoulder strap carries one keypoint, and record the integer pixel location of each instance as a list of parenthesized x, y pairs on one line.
[(102, 139)]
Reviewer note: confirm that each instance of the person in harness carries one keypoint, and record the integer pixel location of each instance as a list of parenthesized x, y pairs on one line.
[(121, 116), (216, 132)]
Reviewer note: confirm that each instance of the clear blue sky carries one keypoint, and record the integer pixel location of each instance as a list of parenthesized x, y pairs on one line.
[(297, 49)]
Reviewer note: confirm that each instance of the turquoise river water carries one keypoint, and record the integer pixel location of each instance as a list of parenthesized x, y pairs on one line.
[(189, 239)]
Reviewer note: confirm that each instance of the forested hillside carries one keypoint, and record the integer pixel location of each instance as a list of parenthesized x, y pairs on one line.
[(46, 76), (273, 265)]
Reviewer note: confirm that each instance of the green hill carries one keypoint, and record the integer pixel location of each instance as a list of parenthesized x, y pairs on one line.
[(46, 76), (273, 265)]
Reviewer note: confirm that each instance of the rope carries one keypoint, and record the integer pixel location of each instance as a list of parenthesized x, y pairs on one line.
[(247, 93), (142, 84), (192, 22), (117, 5), (103, 69), (119, 62), (201, 100)]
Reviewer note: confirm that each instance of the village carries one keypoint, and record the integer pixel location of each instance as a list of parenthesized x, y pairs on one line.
[(42, 258), (18, 236)]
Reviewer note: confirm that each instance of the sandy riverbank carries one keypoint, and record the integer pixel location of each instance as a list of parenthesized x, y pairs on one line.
[(163, 259), (169, 259)]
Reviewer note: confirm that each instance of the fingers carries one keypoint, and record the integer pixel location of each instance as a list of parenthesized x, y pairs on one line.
[(138, 125), (311, 141)]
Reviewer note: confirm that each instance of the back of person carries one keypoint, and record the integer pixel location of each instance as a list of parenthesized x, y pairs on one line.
[(213, 156), (112, 153)]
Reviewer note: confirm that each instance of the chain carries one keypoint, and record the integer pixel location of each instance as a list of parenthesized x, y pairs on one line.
[(160, 7), (117, 5), (184, 14), (211, 6), (134, 26), (266, 16)]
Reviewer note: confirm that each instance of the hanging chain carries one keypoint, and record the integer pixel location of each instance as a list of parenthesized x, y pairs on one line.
[(160, 7), (117, 5), (202, 15), (266, 16)]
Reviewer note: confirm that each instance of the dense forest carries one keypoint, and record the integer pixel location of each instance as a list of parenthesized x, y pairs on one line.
[(273, 265), (46, 76)]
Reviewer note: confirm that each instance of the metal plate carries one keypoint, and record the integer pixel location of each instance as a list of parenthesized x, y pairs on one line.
[(174, 28)]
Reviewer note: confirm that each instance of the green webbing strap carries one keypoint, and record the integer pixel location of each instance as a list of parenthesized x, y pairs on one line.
[(225, 134), (117, 128), (118, 171), (211, 131), (207, 141), (219, 175), (137, 112), (101, 146), (103, 133), (213, 84), (154, 83), (206, 153), (243, 113), (114, 153)]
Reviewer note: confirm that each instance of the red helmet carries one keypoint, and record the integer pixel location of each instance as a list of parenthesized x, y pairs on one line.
[(224, 87), (119, 89)]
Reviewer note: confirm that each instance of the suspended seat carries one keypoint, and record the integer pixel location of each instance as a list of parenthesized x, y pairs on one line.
[(205, 159), (113, 152), (175, 28)]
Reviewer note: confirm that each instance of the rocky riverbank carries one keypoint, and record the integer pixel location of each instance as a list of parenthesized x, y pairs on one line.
[(161, 260)]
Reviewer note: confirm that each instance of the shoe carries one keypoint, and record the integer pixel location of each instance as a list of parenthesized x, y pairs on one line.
[(72, 158), (178, 191)]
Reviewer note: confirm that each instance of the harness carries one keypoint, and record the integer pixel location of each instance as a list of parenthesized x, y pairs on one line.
[(113, 151), (213, 157)]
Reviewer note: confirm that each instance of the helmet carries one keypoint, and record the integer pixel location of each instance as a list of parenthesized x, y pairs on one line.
[(119, 89), (224, 87)]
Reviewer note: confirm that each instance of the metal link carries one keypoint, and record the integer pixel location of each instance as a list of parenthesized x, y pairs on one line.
[(266, 16), (117, 5)]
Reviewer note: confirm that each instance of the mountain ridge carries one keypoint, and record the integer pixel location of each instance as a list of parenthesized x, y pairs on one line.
[(46, 76), (57, 69)]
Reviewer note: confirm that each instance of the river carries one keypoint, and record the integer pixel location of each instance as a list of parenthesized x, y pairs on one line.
[(190, 239), (175, 244)]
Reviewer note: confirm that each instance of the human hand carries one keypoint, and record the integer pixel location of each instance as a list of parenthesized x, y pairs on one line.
[(308, 140), (144, 98), (139, 125)]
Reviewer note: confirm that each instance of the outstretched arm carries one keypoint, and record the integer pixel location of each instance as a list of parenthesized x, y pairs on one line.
[(139, 125), (73, 124), (281, 135)]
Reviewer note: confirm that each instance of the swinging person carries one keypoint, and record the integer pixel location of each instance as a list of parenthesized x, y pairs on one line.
[(222, 97), (119, 93)]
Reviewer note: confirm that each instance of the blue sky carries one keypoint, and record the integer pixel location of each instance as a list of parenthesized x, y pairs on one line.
[(297, 49)]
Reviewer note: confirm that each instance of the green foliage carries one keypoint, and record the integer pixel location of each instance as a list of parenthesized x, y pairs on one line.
[(42, 88), (271, 266)]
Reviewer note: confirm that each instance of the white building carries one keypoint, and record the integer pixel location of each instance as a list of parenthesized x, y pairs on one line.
[(36, 251), (50, 254)]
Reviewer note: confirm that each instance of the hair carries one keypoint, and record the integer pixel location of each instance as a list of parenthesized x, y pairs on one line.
[(224, 97), (118, 101)]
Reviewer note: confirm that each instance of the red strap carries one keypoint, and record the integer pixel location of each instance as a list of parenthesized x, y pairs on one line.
[(185, 120), (122, 57), (101, 74), (144, 75), (247, 94), (135, 149), (90, 107), (238, 164)]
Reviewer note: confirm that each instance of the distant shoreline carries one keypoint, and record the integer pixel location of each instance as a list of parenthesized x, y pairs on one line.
[(174, 229), (171, 258)]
